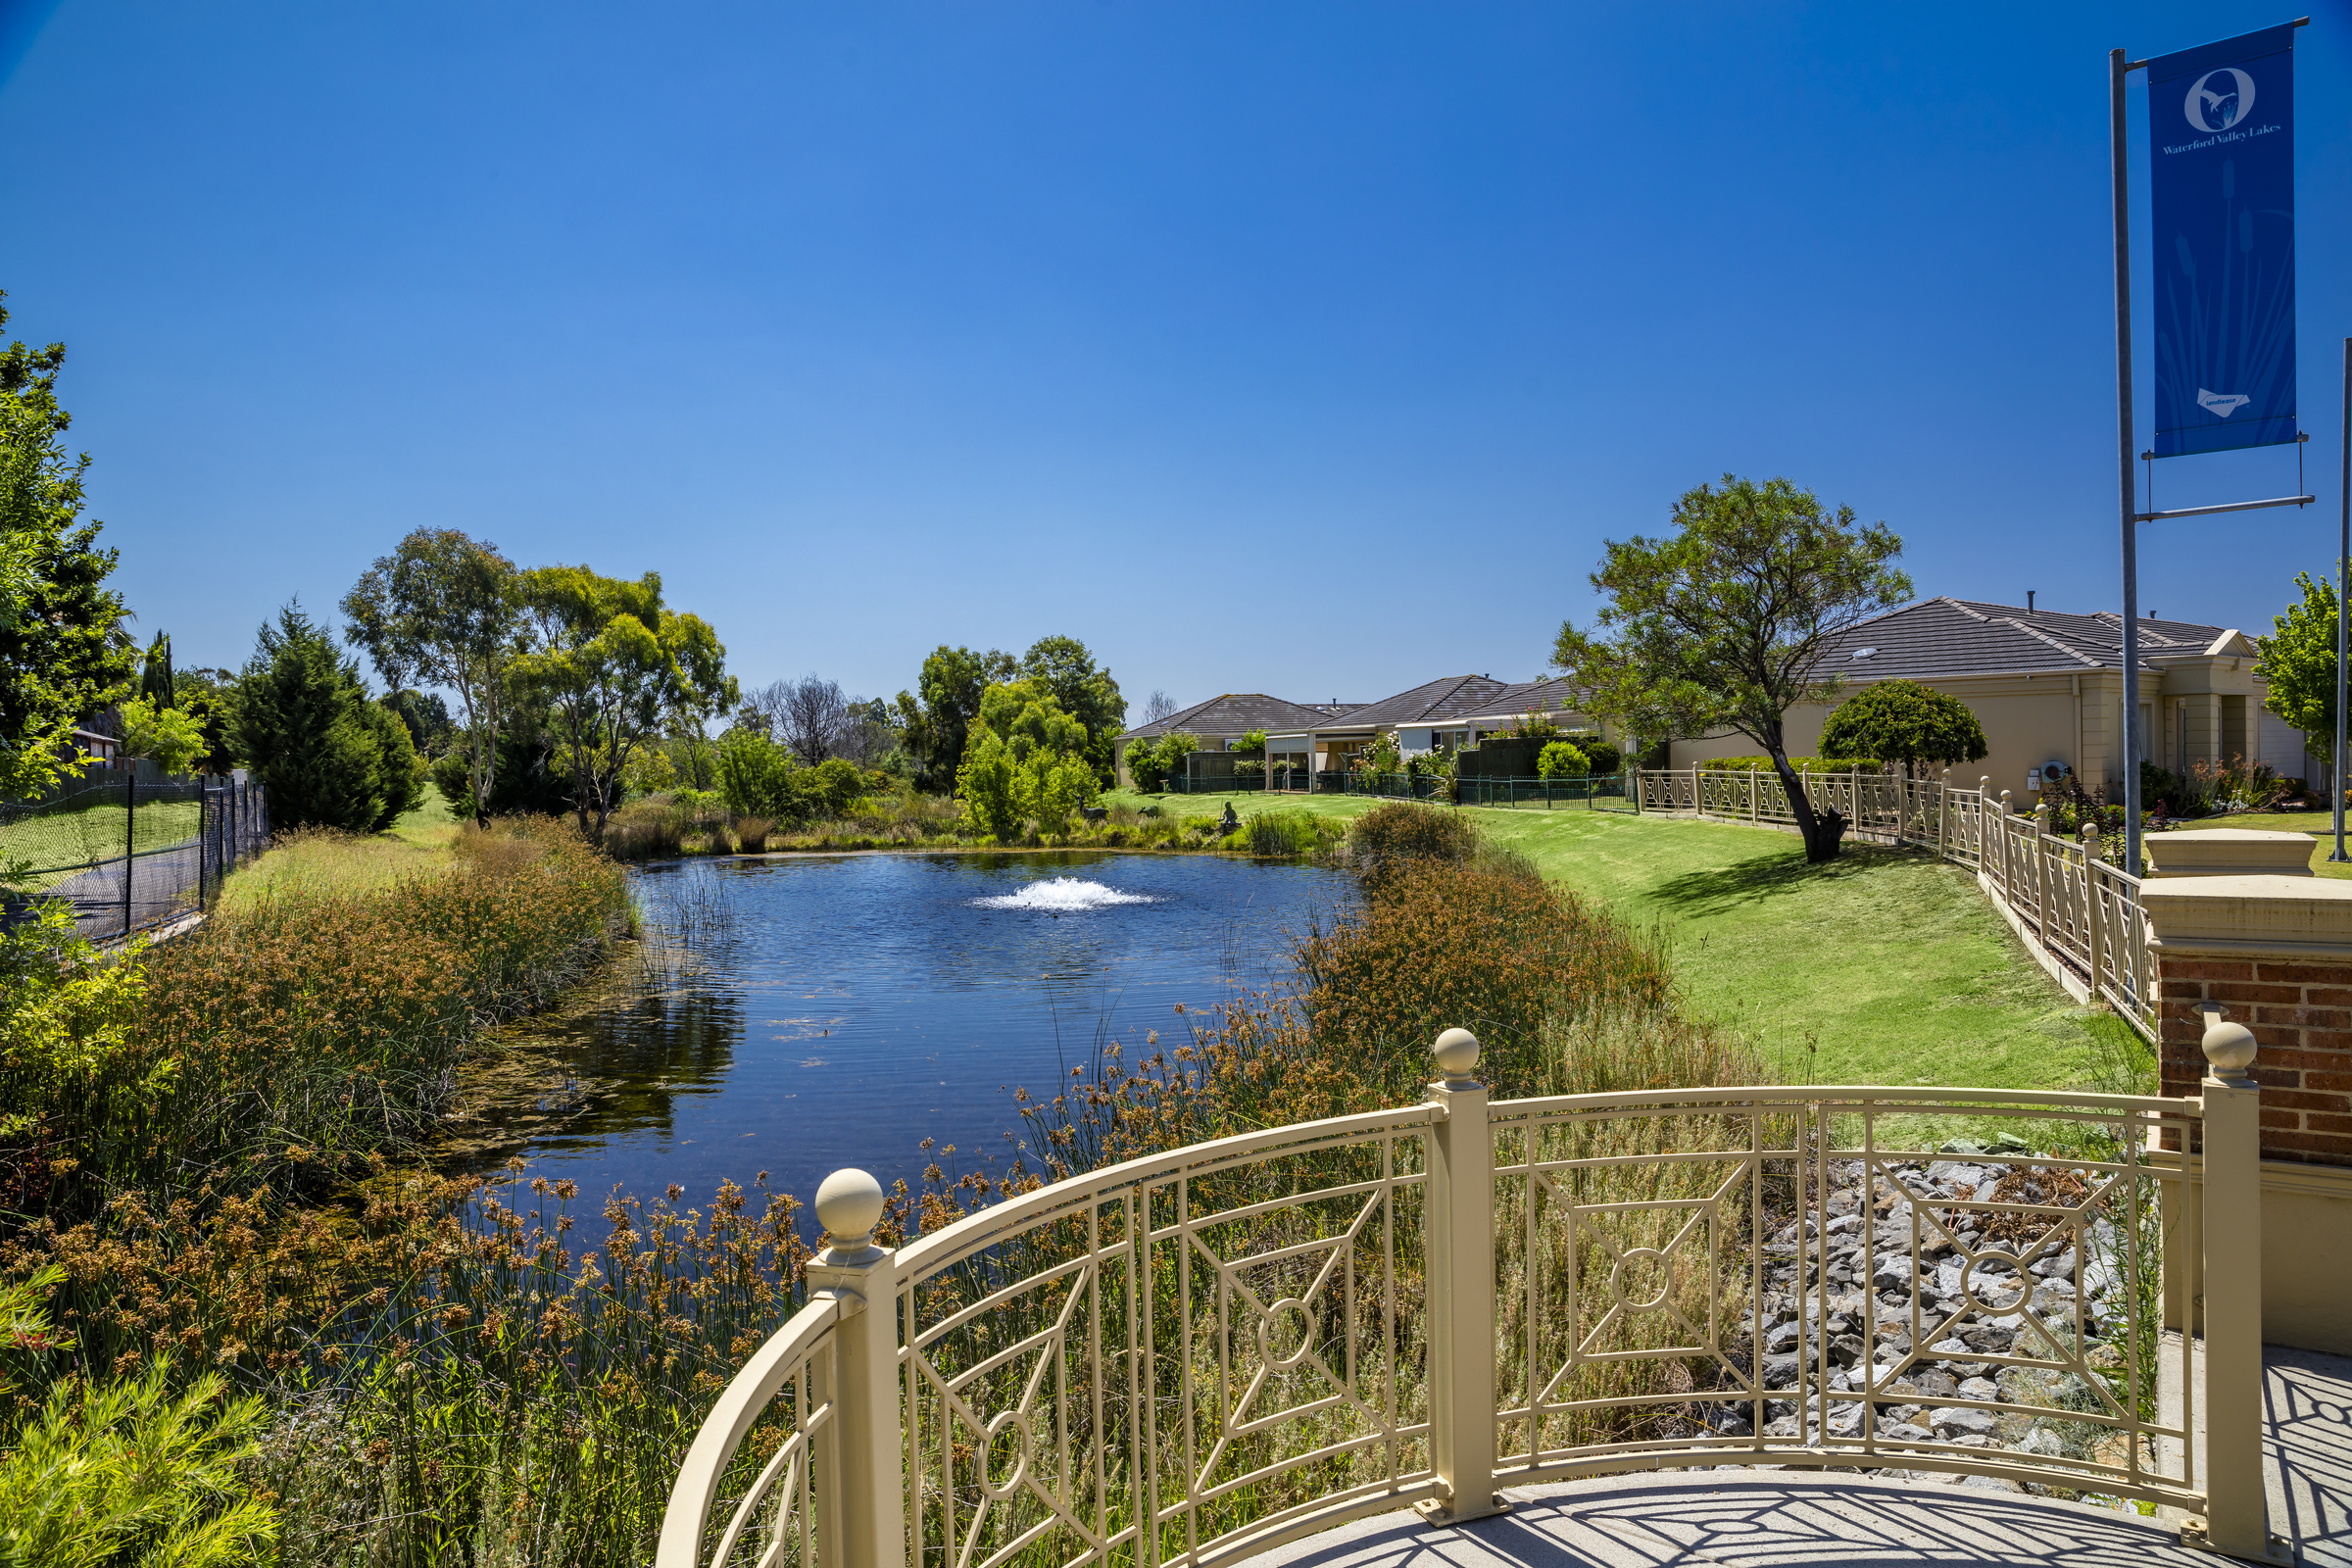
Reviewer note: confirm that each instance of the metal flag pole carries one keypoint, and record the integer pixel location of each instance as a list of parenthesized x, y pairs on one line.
[(2343, 612), (2117, 67)]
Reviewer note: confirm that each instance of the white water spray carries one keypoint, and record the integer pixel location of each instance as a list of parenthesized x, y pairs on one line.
[(1062, 895)]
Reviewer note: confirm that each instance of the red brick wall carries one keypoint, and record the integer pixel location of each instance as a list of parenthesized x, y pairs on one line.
[(2301, 1015)]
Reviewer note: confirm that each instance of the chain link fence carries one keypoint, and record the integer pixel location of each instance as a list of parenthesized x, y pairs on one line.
[(129, 853)]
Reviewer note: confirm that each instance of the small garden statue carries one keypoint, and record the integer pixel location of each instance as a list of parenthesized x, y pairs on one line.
[(1231, 821)]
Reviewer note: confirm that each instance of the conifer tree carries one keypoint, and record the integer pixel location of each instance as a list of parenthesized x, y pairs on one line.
[(302, 726)]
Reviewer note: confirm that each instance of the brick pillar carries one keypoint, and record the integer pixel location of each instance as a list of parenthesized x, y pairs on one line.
[(2275, 952)]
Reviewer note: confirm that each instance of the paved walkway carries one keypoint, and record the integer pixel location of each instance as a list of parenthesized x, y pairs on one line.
[(1769, 1519)]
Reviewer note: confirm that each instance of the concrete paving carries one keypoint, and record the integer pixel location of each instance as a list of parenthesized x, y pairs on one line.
[(1769, 1518)]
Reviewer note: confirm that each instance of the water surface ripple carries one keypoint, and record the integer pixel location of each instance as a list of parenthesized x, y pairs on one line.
[(834, 1010)]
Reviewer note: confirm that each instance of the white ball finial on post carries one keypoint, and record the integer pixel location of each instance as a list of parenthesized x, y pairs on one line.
[(1456, 1051), (848, 1203), (2228, 1047)]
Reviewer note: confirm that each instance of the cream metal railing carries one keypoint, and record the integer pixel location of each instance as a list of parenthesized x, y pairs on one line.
[(1187, 1358), (2080, 909)]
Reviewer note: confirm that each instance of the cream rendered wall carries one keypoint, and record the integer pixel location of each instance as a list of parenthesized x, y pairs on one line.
[(2028, 721)]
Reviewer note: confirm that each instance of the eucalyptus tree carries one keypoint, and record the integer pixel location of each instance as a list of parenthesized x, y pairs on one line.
[(446, 610), (612, 661), (1729, 622)]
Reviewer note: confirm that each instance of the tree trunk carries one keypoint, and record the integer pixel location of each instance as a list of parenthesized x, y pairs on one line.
[(1824, 831)]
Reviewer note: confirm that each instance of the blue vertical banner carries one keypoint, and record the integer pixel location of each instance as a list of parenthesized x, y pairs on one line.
[(2222, 155)]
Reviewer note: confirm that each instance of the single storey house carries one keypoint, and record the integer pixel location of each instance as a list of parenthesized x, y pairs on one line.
[(1445, 714), (2048, 687)]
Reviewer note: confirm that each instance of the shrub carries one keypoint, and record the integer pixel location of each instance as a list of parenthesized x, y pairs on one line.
[(1149, 764), (1562, 760), (1904, 721), (132, 1470), (1603, 757), (1286, 834), (1397, 833), (750, 833)]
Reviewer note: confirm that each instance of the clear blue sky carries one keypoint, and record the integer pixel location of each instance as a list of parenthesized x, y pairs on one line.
[(1304, 348)]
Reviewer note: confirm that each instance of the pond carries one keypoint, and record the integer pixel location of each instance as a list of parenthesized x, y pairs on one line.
[(810, 1013)]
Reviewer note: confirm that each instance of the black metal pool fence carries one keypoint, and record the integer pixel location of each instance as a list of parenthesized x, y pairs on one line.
[(128, 850), (1598, 792)]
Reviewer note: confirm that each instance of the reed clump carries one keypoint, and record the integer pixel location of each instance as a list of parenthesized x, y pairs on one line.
[(320, 1019)]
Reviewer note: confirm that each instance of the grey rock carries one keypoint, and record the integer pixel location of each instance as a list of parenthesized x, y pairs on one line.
[(1781, 1337), (1779, 1371), (1980, 1389), (2060, 1267), (1956, 1421), (1938, 1385), (1905, 1432), (1991, 1484)]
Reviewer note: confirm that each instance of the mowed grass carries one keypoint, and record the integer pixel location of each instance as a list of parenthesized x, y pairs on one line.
[(1885, 966), (61, 844)]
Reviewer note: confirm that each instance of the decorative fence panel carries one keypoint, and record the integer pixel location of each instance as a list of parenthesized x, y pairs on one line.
[(1187, 1358), (2080, 910)]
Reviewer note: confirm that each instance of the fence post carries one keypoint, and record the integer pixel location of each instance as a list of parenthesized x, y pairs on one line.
[(863, 1447), (130, 842), (2090, 901), (1461, 1289), (2236, 1521)]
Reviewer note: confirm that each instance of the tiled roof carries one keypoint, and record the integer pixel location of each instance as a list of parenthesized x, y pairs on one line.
[(1448, 697), (1948, 637), (1237, 714), (1551, 695)]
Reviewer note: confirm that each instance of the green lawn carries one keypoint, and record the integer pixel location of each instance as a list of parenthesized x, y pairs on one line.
[(2319, 824), (1884, 966), (60, 844)]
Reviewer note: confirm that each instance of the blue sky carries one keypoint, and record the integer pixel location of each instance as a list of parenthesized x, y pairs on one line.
[(1304, 348)]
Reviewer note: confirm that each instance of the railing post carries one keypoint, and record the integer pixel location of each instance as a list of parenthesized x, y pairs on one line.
[(860, 1453), (2091, 907), (1461, 1289), (2235, 1520)]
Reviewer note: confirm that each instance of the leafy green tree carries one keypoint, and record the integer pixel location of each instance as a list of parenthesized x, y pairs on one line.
[(447, 609), (609, 661), (1026, 759), (173, 738), (61, 659), (2298, 661), (1150, 762), (206, 695), (1087, 694), (1904, 721), (1562, 760), (1729, 622), (155, 673), (935, 721), (427, 718), (301, 724)]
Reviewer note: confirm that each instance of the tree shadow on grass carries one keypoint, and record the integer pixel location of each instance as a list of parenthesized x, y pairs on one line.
[(1726, 888)]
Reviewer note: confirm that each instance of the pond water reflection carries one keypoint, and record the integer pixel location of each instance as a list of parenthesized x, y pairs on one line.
[(820, 1012)]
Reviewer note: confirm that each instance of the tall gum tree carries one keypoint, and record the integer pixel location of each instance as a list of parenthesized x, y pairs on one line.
[(1729, 622), (609, 661), (447, 609)]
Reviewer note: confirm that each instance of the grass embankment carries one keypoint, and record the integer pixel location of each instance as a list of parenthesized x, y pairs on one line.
[(1885, 966)]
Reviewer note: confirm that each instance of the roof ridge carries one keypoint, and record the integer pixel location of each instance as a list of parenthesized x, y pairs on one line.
[(1966, 610), (2039, 635)]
